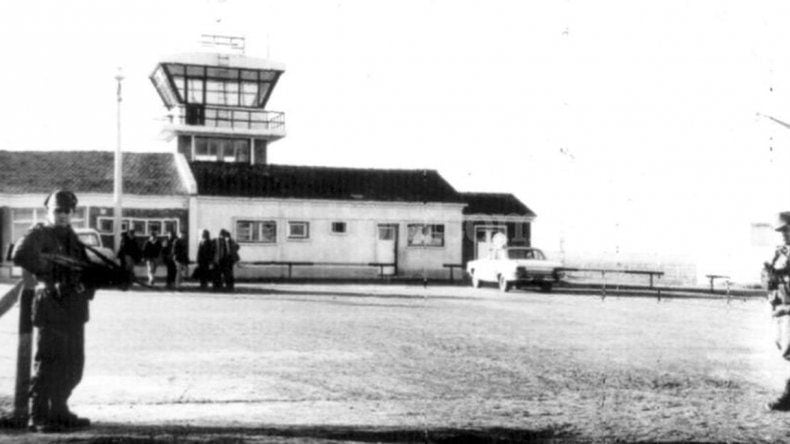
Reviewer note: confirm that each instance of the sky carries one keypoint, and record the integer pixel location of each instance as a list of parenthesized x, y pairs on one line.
[(630, 128)]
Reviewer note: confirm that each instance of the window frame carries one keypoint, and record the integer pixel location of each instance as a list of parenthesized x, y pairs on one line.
[(126, 221), (410, 231), (257, 225), (294, 223), (338, 233)]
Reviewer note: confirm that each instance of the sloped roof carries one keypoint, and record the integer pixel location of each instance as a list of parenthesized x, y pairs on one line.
[(88, 172), (495, 203), (309, 182)]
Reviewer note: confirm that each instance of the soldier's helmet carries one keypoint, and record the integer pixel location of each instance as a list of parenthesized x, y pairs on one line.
[(64, 199)]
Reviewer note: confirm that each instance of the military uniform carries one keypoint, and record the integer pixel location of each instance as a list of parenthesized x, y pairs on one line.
[(778, 285), (60, 311), (776, 278)]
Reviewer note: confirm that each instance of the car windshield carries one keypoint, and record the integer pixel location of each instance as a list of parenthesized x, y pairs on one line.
[(525, 253), (90, 239)]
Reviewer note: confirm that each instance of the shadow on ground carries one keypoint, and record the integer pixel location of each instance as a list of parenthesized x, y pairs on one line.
[(122, 434), (256, 291)]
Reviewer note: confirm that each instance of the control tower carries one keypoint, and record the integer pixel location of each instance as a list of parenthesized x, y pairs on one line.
[(217, 105)]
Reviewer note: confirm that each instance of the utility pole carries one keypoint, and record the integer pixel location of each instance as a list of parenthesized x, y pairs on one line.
[(118, 176)]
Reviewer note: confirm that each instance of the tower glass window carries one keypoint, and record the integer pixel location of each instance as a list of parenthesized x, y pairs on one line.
[(222, 149), (217, 85)]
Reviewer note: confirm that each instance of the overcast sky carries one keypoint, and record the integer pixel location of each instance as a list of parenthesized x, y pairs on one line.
[(626, 126)]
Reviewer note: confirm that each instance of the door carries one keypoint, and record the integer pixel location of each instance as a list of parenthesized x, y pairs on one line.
[(484, 237), (387, 247)]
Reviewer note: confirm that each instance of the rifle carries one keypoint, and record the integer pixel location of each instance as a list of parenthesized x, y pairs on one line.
[(103, 274)]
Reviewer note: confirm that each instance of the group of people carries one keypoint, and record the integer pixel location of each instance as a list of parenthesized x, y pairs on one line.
[(215, 258)]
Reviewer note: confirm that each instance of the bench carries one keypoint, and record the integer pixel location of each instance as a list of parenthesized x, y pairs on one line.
[(713, 277), (291, 264)]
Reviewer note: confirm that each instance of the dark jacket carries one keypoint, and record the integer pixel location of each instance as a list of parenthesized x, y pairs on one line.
[(63, 300), (226, 252), (205, 253), (130, 248), (181, 251), (152, 250), (167, 250)]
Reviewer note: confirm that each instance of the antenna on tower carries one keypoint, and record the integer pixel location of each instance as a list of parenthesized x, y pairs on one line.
[(230, 43)]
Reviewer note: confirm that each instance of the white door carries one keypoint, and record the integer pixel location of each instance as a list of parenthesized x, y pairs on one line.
[(484, 236), (387, 247)]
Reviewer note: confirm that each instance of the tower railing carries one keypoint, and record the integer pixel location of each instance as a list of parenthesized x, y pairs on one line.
[(229, 117)]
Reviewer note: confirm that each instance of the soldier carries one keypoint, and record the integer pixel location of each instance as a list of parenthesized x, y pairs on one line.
[(60, 311), (777, 281)]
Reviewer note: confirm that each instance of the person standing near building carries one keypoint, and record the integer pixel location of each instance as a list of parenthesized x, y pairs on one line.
[(129, 252), (168, 259), (776, 278), (225, 257), (181, 258), (151, 251), (60, 311), (205, 257)]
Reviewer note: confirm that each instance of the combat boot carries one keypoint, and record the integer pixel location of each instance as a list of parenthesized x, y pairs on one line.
[(70, 421), (39, 416), (782, 403), (63, 417)]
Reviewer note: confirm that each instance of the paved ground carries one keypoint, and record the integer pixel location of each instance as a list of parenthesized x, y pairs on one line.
[(402, 363)]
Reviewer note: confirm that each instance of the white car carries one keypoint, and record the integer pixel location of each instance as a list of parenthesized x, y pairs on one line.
[(515, 267), (91, 238)]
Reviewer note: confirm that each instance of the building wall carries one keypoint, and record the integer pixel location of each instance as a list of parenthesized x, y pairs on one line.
[(357, 245)]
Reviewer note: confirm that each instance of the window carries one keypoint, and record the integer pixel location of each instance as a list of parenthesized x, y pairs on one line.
[(226, 150), (257, 231), (142, 226), (339, 227), (298, 230), (139, 226), (105, 225), (170, 226), (387, 232), (155, 226), (426, 235)]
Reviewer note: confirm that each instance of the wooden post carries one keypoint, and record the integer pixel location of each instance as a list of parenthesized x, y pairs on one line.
[(24, 353)]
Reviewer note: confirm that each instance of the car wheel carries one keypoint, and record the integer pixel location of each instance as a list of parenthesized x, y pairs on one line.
[(475, 281), (546, 287), (504, 285)]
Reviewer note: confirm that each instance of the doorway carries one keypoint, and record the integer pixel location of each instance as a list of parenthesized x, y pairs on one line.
[(484, 236), (387, 247)]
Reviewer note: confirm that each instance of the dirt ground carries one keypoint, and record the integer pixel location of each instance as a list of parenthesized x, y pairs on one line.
[(407, 363)]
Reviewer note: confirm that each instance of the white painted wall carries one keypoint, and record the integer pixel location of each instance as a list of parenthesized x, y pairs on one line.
[(357, 245)]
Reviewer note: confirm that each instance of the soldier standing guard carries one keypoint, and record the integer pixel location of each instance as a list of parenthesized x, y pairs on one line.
[(776, 278), (60, 311)]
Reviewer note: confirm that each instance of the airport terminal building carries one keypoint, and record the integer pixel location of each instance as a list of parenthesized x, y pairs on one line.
[(297, 221)]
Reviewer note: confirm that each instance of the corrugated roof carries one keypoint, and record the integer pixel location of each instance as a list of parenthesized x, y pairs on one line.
[(88, 171), (495, 203), (309, 182)]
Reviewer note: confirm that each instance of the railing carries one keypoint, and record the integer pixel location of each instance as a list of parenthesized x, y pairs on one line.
[(603, 271), (291, 264), (233, 118)]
